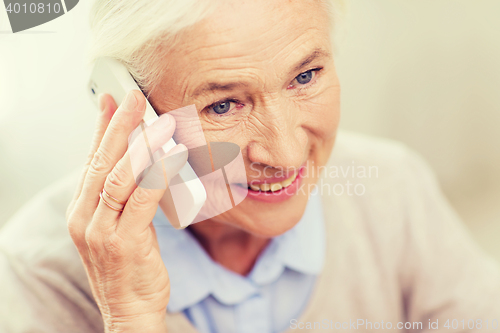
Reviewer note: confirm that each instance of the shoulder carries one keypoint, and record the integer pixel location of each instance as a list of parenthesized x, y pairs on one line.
[(374, 190), (41, 223), (399, 243), (48, 286)]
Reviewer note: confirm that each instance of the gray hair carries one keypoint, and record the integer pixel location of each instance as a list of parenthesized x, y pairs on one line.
[(132, 31)]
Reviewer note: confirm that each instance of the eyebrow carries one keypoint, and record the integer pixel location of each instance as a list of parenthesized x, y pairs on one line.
[(212, 87), (317, 53)]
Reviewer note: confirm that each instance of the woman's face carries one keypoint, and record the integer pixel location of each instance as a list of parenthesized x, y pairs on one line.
[(261, 75)]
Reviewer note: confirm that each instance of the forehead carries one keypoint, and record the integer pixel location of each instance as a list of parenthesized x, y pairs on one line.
[(253, 31), (245, 37)]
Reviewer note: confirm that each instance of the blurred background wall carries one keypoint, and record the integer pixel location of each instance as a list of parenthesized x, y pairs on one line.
[(425, 72)]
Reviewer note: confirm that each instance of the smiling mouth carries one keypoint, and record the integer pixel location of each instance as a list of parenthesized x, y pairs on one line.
[(273, 187)]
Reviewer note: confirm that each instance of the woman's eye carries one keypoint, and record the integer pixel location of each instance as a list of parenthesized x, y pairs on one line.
[(222, 108), (304, 78)]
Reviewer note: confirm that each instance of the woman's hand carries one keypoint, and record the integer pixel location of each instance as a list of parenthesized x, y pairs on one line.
[(119, 249)]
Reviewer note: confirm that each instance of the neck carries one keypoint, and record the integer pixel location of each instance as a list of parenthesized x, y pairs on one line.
[(233, 248)]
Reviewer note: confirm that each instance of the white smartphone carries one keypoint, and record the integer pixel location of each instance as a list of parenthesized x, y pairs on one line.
[(183, 200)]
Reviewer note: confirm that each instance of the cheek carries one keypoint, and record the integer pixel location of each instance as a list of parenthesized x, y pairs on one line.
[(241, 131), (237, 134), (322, 114)]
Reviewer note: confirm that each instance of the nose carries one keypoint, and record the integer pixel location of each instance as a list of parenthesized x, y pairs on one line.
[(281, 141)]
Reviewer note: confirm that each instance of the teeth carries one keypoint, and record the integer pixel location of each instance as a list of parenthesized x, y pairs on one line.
[(264, 187), (255, 187), (287, 182), (274, 186)]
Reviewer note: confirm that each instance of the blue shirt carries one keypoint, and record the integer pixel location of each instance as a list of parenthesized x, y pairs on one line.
[(217, 300)]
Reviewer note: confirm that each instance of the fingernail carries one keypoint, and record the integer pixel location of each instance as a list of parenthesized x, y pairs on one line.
[(163, 121), (130, 102), (100, 102)]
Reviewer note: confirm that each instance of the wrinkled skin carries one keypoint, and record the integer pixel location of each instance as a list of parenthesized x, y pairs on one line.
[(276, 121)]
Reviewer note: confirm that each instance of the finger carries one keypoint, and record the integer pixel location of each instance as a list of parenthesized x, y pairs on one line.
[(121, 181), (143, 203), (107, 107), (111, 149)]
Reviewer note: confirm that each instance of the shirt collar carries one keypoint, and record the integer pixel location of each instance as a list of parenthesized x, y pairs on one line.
[(195, 276)]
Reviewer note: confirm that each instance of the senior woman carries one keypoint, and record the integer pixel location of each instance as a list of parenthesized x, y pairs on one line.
[(374, 246)]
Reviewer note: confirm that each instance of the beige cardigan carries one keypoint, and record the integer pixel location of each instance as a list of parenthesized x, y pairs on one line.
[(397, 253)]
